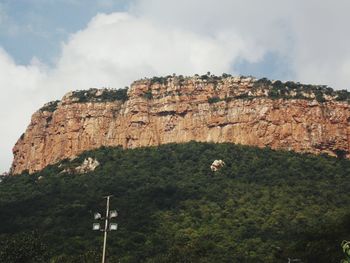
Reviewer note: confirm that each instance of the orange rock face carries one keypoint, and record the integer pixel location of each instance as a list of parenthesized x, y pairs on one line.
[(232, 109)]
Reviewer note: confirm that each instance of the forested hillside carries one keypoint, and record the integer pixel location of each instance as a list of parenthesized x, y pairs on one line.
[(263, 206)]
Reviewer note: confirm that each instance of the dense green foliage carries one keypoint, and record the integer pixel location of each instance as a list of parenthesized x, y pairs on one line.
[(148, 95), (275, 89), (106, 96), (23, 247), (51, 106), (160, 80), (90, 95), (213, 100), (263, 206), (290, 90)]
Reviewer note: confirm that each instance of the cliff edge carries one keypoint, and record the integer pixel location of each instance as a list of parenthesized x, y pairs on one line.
[(175, 109)]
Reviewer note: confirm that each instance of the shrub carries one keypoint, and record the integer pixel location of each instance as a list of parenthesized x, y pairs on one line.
[(108, 95), (319, 97), (160, 80), (112, 95), (263, 82), (51, 106), (225, 75), (342, 95), (274, 93), (243, 96), (213, 99), (148, 95)]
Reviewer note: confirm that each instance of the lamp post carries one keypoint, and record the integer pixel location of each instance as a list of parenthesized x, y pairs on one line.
[(109, 226)]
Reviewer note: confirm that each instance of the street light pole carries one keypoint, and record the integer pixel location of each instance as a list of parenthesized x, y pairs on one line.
[(107, 227), (105, 231)]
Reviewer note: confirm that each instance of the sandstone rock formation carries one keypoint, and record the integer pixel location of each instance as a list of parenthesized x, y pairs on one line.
[(156, 111)]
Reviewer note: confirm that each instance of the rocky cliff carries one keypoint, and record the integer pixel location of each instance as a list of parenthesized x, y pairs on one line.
[(244, 110)]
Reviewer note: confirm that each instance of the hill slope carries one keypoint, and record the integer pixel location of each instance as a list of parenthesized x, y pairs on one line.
[(263, 206), (176, 109)]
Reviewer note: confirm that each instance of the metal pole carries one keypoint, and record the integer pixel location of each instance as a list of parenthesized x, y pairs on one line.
[(105, 230)]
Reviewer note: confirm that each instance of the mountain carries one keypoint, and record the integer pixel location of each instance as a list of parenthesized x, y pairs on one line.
[(262, 206), (175, 109)]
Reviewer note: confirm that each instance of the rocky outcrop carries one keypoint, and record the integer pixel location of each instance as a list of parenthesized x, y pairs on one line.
[(217, 165), (156, 111), (88, 165)]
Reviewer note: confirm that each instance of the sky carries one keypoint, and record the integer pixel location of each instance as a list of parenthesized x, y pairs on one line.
[(50, 47)]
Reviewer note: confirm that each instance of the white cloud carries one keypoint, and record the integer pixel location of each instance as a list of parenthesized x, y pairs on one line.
[(19, 96), (118, 48), (312, 35), (112, 51), (321, 42), (160, 37)]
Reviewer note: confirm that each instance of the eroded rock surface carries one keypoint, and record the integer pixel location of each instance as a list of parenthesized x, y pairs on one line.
[(176, 109)]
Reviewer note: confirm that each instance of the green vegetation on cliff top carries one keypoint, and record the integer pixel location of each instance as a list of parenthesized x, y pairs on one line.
[(106, 95), (263, 206), (276, 90)]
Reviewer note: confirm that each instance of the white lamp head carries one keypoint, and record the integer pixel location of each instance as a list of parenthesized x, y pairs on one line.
[(113, 226), (97, 216), (113, 214), (96, 226)]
